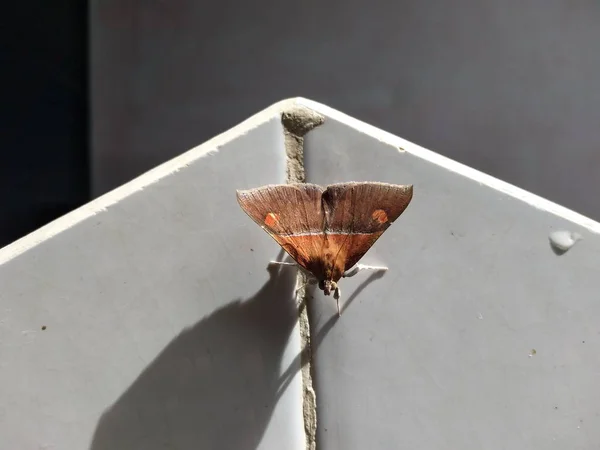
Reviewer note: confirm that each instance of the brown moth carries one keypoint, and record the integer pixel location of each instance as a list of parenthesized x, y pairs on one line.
[(326, 230)]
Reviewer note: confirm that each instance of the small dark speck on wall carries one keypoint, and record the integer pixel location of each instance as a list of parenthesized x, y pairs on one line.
[(43, 327)]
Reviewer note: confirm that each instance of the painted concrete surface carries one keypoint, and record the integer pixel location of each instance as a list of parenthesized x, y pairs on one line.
[(478, 336), (148, 320)]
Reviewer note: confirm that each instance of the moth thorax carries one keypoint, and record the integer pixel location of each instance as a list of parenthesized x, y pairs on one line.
[(327, 286)]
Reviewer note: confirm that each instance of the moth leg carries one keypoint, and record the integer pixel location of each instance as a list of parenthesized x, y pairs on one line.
[(336, 296), (357, 268)]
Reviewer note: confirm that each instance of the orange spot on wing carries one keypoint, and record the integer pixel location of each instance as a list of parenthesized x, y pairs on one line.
[(380, 216), (271, 219)]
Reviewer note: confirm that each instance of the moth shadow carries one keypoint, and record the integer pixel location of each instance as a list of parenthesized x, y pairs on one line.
[(376, 275), (216, 384), (328, 325)]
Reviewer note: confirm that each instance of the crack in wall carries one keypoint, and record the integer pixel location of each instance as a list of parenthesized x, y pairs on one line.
[(297, 122)]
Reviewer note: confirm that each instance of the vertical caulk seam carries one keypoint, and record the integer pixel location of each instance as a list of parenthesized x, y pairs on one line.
[(298, 121)]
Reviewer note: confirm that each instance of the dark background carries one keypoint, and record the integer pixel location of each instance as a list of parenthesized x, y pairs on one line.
[(511, 88), (44, 151)]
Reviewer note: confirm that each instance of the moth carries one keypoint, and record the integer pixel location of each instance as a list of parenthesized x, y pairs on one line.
[(326, 230)]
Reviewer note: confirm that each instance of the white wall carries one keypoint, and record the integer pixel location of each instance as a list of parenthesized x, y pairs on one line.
[(148, 318)]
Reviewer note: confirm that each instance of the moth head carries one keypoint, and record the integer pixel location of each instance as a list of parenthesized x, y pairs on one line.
[(327, 286)]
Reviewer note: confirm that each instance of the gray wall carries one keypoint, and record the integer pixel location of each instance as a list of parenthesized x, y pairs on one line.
[(508, 87)]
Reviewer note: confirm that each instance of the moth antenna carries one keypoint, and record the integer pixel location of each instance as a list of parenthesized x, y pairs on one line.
[(281, 263)]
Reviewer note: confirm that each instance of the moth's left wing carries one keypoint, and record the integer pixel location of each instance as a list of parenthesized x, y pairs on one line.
[(292, 214), (357, 214)]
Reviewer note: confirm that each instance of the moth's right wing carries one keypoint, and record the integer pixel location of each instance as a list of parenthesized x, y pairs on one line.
[(359, 213)]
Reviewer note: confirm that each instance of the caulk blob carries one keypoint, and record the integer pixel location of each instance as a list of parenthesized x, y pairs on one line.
[(562, 240)]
